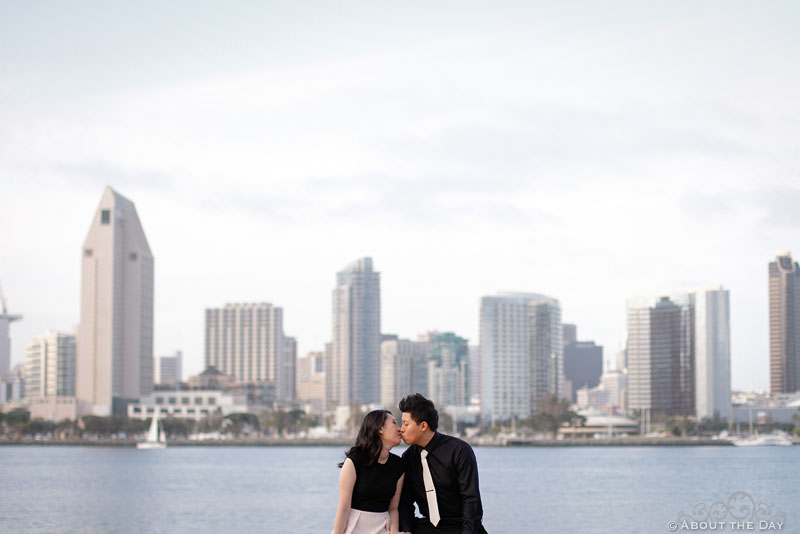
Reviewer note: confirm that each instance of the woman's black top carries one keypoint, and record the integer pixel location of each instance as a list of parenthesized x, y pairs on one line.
[(375, 483)]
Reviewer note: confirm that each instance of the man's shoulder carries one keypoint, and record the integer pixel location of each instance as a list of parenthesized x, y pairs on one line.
[(411, 451), (453, 441)]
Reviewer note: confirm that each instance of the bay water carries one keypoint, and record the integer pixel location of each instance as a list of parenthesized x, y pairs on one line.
[(57, 489)]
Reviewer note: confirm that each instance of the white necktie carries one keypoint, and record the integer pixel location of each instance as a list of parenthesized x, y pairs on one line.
[(430, 491)]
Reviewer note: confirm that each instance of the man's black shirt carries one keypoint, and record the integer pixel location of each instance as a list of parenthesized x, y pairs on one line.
[(455, 477)]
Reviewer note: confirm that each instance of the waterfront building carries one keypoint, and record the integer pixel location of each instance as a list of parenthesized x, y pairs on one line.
[(190, 404), (448, 369), (660, 354), (474, 374), (311, 380), (286, 385), (583, 363), (678, 354), (600, 424), (50, 366), (712, 354), (246, 342), (404, 369), (353, 370), (114, 360), (781, 408), (169, 369), (784, 324), (521, 353)]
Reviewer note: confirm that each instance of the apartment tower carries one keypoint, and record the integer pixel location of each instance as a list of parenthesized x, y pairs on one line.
[(353, 370), (246, 341), (521, 354)]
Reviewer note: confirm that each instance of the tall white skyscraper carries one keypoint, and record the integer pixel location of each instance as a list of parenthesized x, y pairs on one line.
[(169, 369), (521, 354), (246, 341), (50, 366), (353, 371), (114, 362), (712, 354)]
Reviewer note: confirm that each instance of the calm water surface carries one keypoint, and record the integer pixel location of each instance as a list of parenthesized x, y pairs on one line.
[(294, 489)]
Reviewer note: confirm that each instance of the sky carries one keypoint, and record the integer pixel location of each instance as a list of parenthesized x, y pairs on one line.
[(589, 151)]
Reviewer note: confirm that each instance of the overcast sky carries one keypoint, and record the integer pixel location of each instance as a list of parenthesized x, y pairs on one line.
[(589, 151)]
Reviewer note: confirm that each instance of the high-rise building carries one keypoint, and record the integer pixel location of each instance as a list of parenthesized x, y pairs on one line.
[(353, 373), (404, 369), (114, 364), (287, 382), (679, 354), (246, 341), (311, 380), (474, 373), (169, 369), (521, 353), (50, 366), (583, 363), (712, 365), (784, 325), (448, 369), (661, 354)]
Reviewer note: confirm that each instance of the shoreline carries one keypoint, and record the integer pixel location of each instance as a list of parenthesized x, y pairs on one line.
[(608, 442)]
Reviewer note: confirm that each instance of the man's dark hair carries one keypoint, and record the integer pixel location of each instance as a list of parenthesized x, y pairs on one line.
[(421, 409)]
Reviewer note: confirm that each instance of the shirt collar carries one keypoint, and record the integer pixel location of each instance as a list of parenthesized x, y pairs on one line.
[(434, 442)]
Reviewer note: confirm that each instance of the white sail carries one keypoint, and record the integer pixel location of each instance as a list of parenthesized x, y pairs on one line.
[(152, 434), (156, 438)]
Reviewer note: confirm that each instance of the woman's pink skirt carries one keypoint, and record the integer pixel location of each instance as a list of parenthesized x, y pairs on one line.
[(360, 522)]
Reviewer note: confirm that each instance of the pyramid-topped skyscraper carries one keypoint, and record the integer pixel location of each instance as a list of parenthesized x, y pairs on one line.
[(115, 340)]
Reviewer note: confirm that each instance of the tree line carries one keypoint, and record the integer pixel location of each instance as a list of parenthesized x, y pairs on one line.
[(278, 423)]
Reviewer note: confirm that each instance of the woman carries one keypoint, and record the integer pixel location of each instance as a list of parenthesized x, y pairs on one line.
[(371, 479)]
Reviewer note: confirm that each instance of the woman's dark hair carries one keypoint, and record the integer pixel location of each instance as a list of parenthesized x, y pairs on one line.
[(420, 409), (368, 441)]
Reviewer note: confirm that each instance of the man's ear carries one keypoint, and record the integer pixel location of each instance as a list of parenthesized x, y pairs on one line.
[(423, 426)]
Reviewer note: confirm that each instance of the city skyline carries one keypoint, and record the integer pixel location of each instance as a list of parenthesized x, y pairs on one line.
[(517, 148)]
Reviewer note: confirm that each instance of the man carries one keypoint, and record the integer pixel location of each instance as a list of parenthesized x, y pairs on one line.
[(441, 475)]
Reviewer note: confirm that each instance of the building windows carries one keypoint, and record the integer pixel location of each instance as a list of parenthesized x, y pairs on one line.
[(198, 401), (173, 400), (185, 400), (105, 217), (212, 401), (159, 400)]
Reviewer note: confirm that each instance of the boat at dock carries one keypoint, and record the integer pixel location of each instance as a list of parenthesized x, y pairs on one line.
[(773, 439)]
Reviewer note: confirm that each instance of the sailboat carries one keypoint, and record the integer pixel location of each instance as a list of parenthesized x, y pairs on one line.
[(156, 438)]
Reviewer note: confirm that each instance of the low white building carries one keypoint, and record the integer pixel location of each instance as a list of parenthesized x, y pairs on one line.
[(189, 404)]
